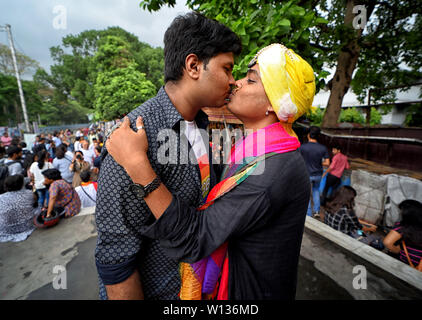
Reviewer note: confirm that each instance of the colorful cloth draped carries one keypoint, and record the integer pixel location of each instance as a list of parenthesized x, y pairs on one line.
[(201, 280)]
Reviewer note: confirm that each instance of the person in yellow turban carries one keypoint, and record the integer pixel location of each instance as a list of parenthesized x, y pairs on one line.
[(244, 241)]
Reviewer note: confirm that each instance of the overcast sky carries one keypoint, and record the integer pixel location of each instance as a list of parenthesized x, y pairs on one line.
[(34, 22)]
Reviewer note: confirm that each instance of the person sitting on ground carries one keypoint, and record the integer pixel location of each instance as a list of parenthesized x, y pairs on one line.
[(407, 234), (334, 172), (87, 191), (57, 141), (77, 144), (96, 163), (14, 155), (63, 162), (17, 210), (25, 151), (62, 194), (51, 149), (87, 152), (40, 145), (339, 213), (37, 178), (5, 139), (77, 166), (29, 160), (97, 159), (2, 152)]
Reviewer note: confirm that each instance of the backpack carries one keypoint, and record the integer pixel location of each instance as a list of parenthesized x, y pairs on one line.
[(4, 173)]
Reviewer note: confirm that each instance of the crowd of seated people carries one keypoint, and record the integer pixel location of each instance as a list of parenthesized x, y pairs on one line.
[(40, 180), (404, 241)]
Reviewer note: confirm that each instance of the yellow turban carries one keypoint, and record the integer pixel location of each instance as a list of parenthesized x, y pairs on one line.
[(288, 80)]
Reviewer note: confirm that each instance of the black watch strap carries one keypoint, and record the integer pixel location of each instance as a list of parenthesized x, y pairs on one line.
[(142, 191), (154, 184)]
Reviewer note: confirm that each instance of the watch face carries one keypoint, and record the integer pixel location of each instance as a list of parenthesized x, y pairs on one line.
[(138, 190)]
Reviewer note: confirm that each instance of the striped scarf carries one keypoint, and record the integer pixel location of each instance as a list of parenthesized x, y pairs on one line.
[(208, 278)]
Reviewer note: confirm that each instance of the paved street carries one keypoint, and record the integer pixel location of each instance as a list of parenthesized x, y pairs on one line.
[(26, 268)]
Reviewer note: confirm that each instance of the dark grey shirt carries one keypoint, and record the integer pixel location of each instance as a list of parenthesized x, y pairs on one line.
[(120, 214), (262, 219)]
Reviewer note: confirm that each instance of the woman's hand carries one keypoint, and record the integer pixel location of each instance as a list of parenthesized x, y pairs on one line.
[(127, 147)]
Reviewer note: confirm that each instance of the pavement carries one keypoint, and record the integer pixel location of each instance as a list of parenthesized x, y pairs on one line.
[(27, 268), (58, 264)]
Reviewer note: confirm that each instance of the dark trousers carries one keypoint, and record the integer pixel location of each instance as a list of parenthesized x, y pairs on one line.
[(331, 181)]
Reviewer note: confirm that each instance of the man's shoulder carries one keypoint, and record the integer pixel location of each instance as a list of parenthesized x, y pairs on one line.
[(156, 111), (151, 106)]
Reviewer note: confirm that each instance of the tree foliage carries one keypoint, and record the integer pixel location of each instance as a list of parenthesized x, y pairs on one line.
[(390, 45), (119, 86), (387, 53), (38, 102), (260, 23), (25, 64), (75, 71)]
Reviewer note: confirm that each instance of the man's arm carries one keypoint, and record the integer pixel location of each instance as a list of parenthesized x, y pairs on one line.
[(117, 245), (330, 168), (130, 289)]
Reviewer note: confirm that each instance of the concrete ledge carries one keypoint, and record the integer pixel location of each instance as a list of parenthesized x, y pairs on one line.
[(372, 255)]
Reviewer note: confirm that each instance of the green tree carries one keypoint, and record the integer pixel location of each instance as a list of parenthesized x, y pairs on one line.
[(260, 23), (119, 86), (388, 52), (351, 115), (74, 73), (25, 63), (10, 102), (39, 101)]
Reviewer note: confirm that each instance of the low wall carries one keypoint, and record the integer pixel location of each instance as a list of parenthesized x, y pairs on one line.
[(337, 255)]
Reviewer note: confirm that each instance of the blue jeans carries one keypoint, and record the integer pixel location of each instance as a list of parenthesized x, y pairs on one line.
[(315, 182), (42, 197)]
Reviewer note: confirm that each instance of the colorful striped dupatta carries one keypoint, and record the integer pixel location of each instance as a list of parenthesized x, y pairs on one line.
[(200, 280)]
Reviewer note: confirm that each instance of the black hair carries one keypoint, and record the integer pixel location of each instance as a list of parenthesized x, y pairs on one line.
[(342, 198), (53, 174), (42, 155), (98, 148), (22, 144), (85, 175), (13, 183), (194, 33), (15, 141), (60, 152), (12, 150), (411, 221), (29, 159), (78, 138), (314, 132)]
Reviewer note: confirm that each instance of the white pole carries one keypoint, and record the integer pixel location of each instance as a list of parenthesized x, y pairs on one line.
[(12, 48)]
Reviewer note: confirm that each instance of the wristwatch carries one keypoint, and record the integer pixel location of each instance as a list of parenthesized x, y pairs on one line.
[(142, 191)]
